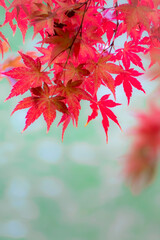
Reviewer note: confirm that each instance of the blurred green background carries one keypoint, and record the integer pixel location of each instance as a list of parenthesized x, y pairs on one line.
[(72, 190)]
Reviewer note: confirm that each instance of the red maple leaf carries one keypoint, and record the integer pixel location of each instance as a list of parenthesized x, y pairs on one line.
[(42, 17), (60, 43), (1, 43), (71, 71), (127, 79), (68, 9), (109, 27), (11, 62), (2, 3), (141, 161), (128, 54), (21, 19), (30, 76), (103, 105), (100, 72), (73, 95), (65, 120), (41, 102), (134, 13), (154, 52)]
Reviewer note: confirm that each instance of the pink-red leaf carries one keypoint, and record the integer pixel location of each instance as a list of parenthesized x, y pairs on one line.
[(30, 76), (103, 105), (41, 102), (127, 79)]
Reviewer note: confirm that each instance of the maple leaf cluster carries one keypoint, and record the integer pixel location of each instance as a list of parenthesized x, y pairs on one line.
[(78, 53), (142, 160)]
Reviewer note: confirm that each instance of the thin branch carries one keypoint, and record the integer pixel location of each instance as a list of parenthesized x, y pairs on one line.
[(115, 31)]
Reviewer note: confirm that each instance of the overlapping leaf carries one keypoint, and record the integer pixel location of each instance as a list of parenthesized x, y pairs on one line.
[(41, 17), (128, 80), (135, 13), (101, 71), (41, 102), (128, 54), (104, 105), (73, 95), (60, 43), (28, 77)]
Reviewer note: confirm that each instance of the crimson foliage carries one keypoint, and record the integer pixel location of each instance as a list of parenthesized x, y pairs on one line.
[(80, 47)]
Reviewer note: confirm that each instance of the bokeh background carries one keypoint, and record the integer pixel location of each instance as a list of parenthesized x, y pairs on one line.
[(72, 190)]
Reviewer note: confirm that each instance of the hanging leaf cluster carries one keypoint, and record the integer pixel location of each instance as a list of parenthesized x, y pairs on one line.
[(79, 52)]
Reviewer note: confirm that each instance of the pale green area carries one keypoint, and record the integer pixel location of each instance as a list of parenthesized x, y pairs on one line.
[(72, 190)]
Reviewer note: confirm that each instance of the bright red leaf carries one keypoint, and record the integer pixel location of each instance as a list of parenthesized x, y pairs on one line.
[(30, 76), (134, 14), (103, 105), (128, 54), (128, 80), (73, 94), (41, 102), (101, 71)]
